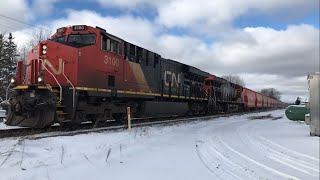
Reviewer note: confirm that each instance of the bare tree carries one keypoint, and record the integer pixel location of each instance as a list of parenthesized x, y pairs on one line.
[(271, 92), (234, 79), (22, 51), (38, 35)]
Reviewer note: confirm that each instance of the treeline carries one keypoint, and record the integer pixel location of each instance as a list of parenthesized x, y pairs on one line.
[(8, 61), (10, 54), (271, 92)]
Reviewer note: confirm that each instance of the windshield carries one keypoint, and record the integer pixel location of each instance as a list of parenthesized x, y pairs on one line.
[(80, 40), (58, 39)]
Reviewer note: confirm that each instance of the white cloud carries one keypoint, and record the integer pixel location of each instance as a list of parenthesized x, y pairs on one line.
[(43, 7), (213, 17), (121, 3), (265, 57), (136, 30), (22, 37), (291, 88), (134, 5), (290, 52), (216, 17), (11, 12)]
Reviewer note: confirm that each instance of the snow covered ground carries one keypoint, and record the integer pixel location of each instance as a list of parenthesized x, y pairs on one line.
[(237, 147), (4, 126)]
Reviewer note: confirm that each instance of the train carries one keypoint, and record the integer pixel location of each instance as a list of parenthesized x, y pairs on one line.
[(83, 73)]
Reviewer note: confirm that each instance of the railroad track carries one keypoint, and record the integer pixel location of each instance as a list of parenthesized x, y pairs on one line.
[(54, 131), (19, 132)]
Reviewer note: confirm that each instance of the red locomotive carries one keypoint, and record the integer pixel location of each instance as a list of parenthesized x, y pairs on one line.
[(86, 74)]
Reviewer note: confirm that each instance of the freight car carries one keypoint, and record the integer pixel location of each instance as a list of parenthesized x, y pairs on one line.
[(84, 73)]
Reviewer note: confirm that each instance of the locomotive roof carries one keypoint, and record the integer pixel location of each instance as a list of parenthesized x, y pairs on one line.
[(191, 69)]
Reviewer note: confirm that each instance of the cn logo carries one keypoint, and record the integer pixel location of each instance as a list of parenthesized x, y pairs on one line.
[(47, 63), (171, 77)]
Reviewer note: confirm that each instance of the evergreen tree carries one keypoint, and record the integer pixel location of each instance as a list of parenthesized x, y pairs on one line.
[(8, 62)]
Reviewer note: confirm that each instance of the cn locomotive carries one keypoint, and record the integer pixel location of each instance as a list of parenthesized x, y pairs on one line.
[(83, 73)]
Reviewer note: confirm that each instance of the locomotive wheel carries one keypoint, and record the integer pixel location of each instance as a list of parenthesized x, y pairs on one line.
[(120, 117)]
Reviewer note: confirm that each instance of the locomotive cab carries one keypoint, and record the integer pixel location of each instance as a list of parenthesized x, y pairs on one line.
[(48, 88), (79, 36), (223, 95)]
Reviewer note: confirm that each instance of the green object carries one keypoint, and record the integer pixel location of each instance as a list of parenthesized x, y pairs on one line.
[(296, 112)]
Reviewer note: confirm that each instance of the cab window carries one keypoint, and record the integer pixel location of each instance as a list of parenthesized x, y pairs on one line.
[(59, 39), (111, 45), (80, 40)]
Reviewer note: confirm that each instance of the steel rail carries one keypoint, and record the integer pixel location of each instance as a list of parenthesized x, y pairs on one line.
[(55, 131)]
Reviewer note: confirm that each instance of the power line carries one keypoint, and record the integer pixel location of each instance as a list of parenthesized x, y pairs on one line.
[(12, 28), (24, 22), (7, 29)]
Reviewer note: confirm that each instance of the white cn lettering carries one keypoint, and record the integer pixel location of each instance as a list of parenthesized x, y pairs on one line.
[(165, 78), (53, 69), (172, 77)]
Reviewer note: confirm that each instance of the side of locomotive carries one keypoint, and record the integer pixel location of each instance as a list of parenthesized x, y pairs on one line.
[(223, 96), (86, 74)]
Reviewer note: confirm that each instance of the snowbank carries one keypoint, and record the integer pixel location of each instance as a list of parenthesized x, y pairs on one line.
[(224, 148)]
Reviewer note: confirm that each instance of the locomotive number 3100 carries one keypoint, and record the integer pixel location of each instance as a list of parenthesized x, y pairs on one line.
[(111, 60)]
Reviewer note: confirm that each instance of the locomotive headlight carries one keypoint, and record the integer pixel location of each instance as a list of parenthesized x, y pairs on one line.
[(44, 49), (40, 79), (12, 80)]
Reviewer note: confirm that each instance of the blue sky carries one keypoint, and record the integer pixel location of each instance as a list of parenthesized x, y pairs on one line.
[(269, 43), (278, 20), (254, 18), (275, 22)]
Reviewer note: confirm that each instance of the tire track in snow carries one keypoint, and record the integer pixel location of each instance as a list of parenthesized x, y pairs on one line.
[(214, 164), (295, 163), (287, 176), (277, 159), (214, 152), (275, 145), (283, 157), (287, 159), (221, 135), (245, 160), (232, 133)]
